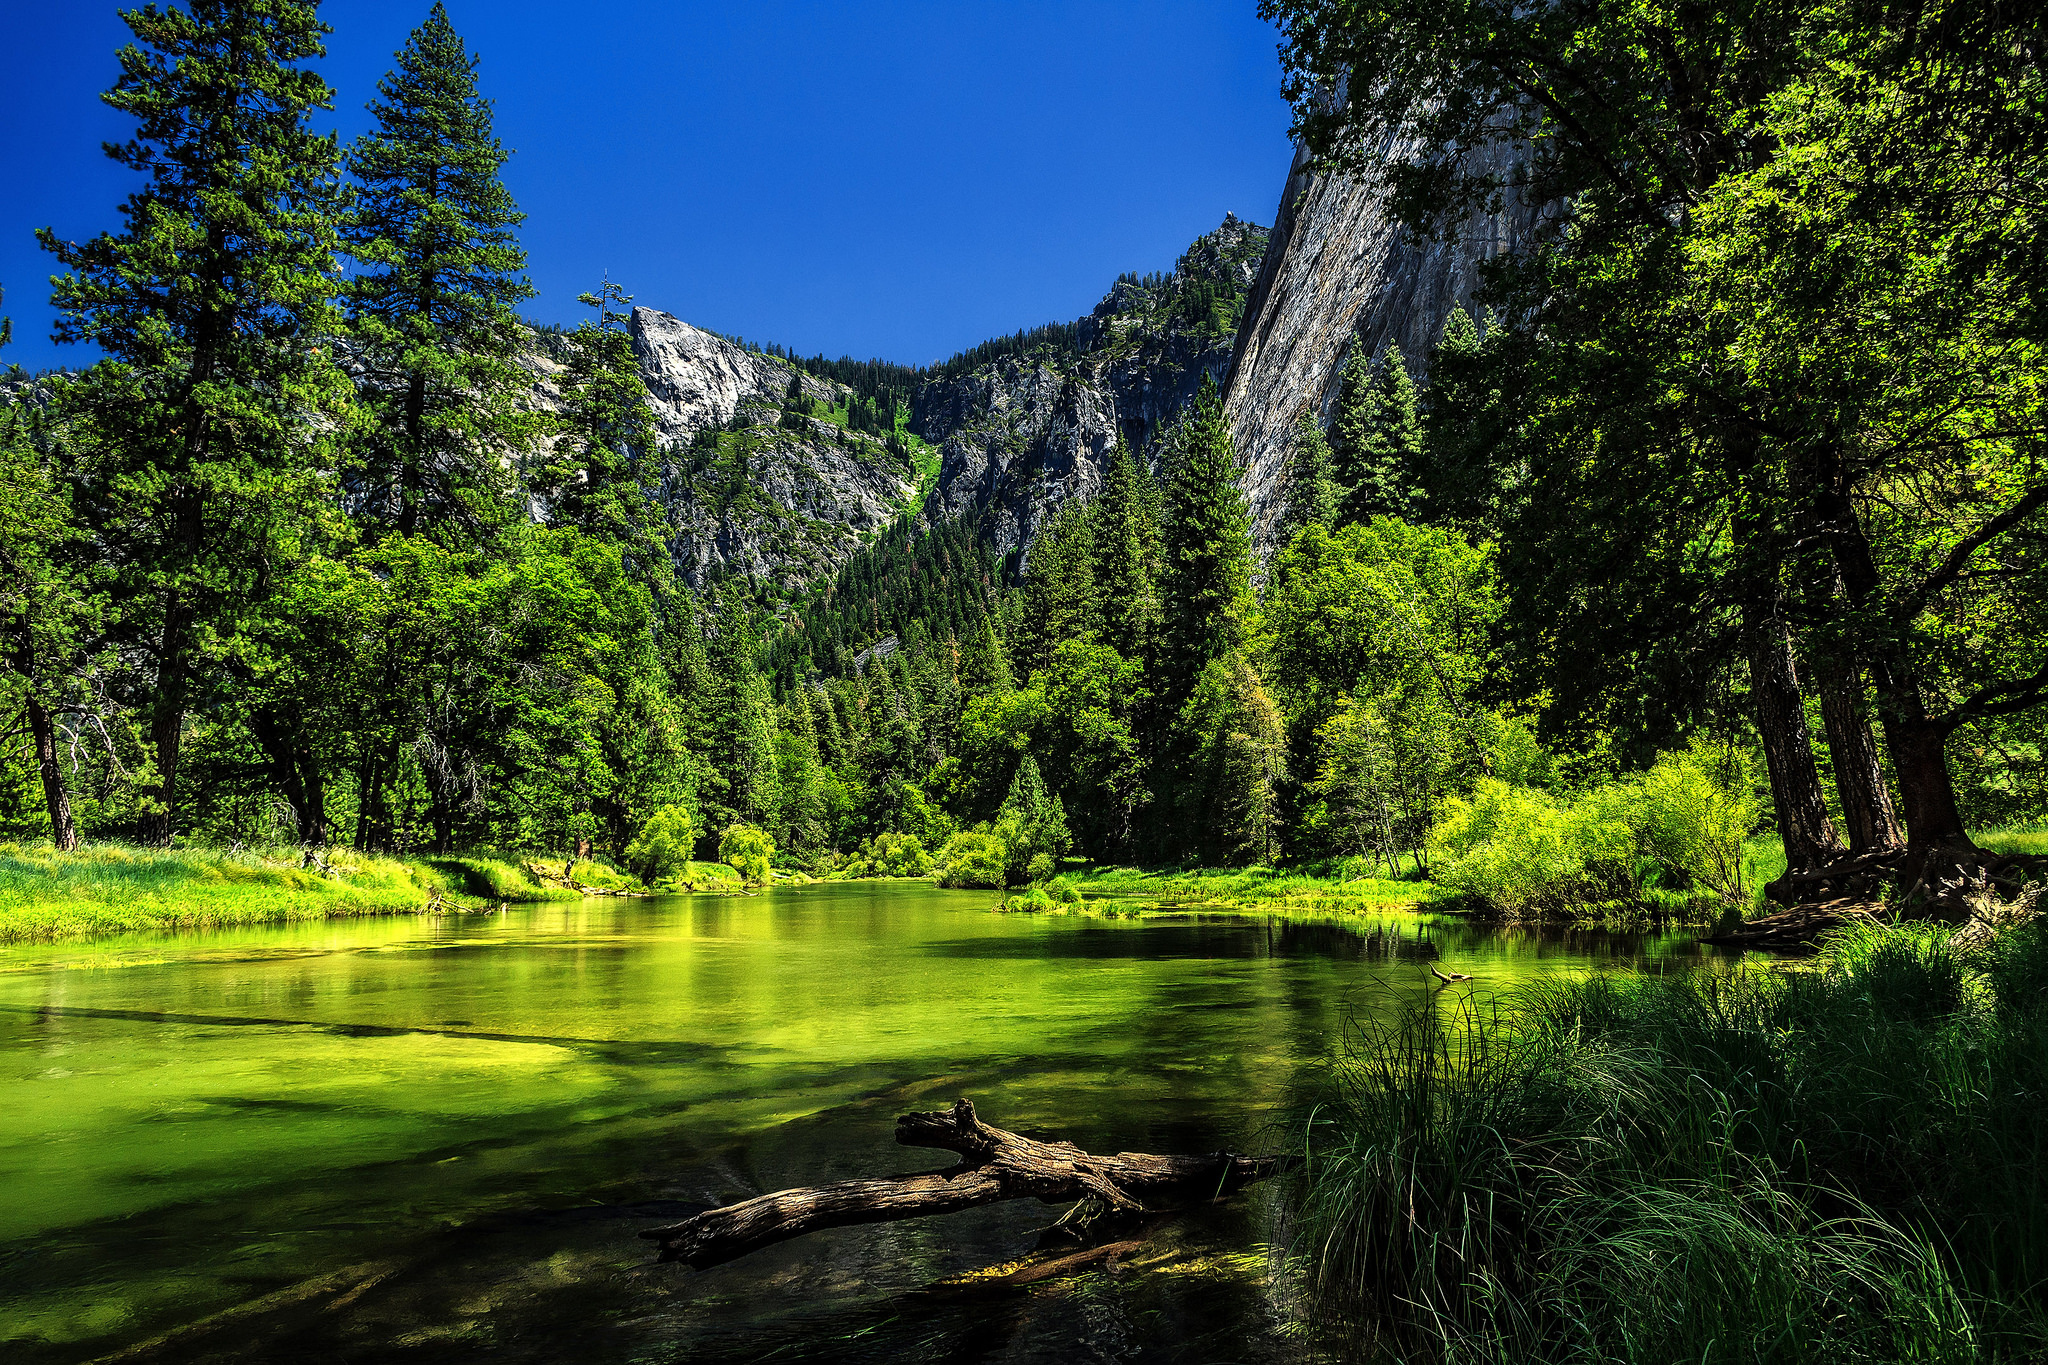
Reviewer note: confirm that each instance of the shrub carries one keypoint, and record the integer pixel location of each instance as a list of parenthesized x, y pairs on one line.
[(1062, 890), (1034, 900), (749, 852), (975, 858), (1523, 851), (1040, 870), (662, 852)]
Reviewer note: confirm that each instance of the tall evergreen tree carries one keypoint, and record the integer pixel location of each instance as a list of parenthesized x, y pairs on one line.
[(432, 306), (1380, 420), (604, 445), (212, 417), (1309, 495), (1457, 476), (1352, 423), (1061, 600), (741, 726), (1208, 546), (52, 602), (984, 665), (1126, 554)]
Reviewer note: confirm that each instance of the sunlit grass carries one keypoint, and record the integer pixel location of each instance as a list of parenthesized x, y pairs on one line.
[(109, 888)]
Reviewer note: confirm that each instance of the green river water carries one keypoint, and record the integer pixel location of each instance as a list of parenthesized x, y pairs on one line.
[(436, 1140)]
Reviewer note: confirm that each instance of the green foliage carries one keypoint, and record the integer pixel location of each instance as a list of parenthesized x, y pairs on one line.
[(889, 855), (1032, 825), (1310, 493), (1207, 546), (1240, 761), (975, 858), (211, 425), (1680, 826), (665, 845), (749, 852)]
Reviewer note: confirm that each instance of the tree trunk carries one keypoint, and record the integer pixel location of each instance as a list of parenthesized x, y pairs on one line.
[(994, 1165), (1802, 809), (1918, 746), (411, 484), (1859, 773), (366, 797), (167, 723), (55, 794)]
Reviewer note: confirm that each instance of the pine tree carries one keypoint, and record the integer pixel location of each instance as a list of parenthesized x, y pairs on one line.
[(1310, 491), (216, 407), (1033, 822), (52, 611), (984, 667), (1060, 598), (1457, 477), (603, 453), (741, 782), (432, 305), (1208, 546), (1352, 425), (1391, 459), (1126, 538)]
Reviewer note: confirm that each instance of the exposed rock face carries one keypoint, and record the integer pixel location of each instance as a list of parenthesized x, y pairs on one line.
[(1021, 435), (746, 491), (1337, 265)]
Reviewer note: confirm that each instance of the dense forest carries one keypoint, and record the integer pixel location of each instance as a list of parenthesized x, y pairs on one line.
[(1718, 512)]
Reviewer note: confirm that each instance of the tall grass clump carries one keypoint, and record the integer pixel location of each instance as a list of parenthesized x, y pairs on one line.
[(1845, 1164)]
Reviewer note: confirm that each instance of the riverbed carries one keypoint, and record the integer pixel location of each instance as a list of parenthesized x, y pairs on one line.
[(408, 1139)]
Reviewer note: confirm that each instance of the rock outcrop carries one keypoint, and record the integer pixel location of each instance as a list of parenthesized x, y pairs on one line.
[(747, 489), (1337, 266), (1020, 435)]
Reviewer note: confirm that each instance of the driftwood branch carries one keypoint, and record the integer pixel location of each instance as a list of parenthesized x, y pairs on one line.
[(994, 1165)]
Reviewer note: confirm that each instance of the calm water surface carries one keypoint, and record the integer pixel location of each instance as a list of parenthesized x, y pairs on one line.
[(416, 1140)]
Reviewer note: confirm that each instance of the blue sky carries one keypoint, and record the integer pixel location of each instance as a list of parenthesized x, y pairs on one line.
[(900, 180)]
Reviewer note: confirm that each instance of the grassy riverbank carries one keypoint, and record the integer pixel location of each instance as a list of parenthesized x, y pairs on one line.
[(110, 888), (1845, 1163)]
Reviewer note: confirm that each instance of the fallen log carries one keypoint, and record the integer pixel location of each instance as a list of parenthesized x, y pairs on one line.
[(994, 1165)]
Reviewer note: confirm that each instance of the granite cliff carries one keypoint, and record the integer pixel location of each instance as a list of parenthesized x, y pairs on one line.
[(1022, 434), (1337, 266), (749, 487)]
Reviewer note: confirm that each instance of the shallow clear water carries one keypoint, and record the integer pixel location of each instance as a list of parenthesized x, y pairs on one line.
[(404, 1139)]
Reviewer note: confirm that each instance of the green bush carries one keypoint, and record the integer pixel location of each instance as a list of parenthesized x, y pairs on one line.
[(1062, 890), (887, 855), (662, 850), (1034, 900), (749, 852), (1682, 824), (975, 858), (1040, 870)]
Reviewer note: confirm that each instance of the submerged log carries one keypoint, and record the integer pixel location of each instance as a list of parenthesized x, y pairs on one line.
[(994, 1165)]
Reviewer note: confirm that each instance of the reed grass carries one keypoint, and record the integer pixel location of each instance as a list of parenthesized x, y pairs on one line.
[(1843, 1164)]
